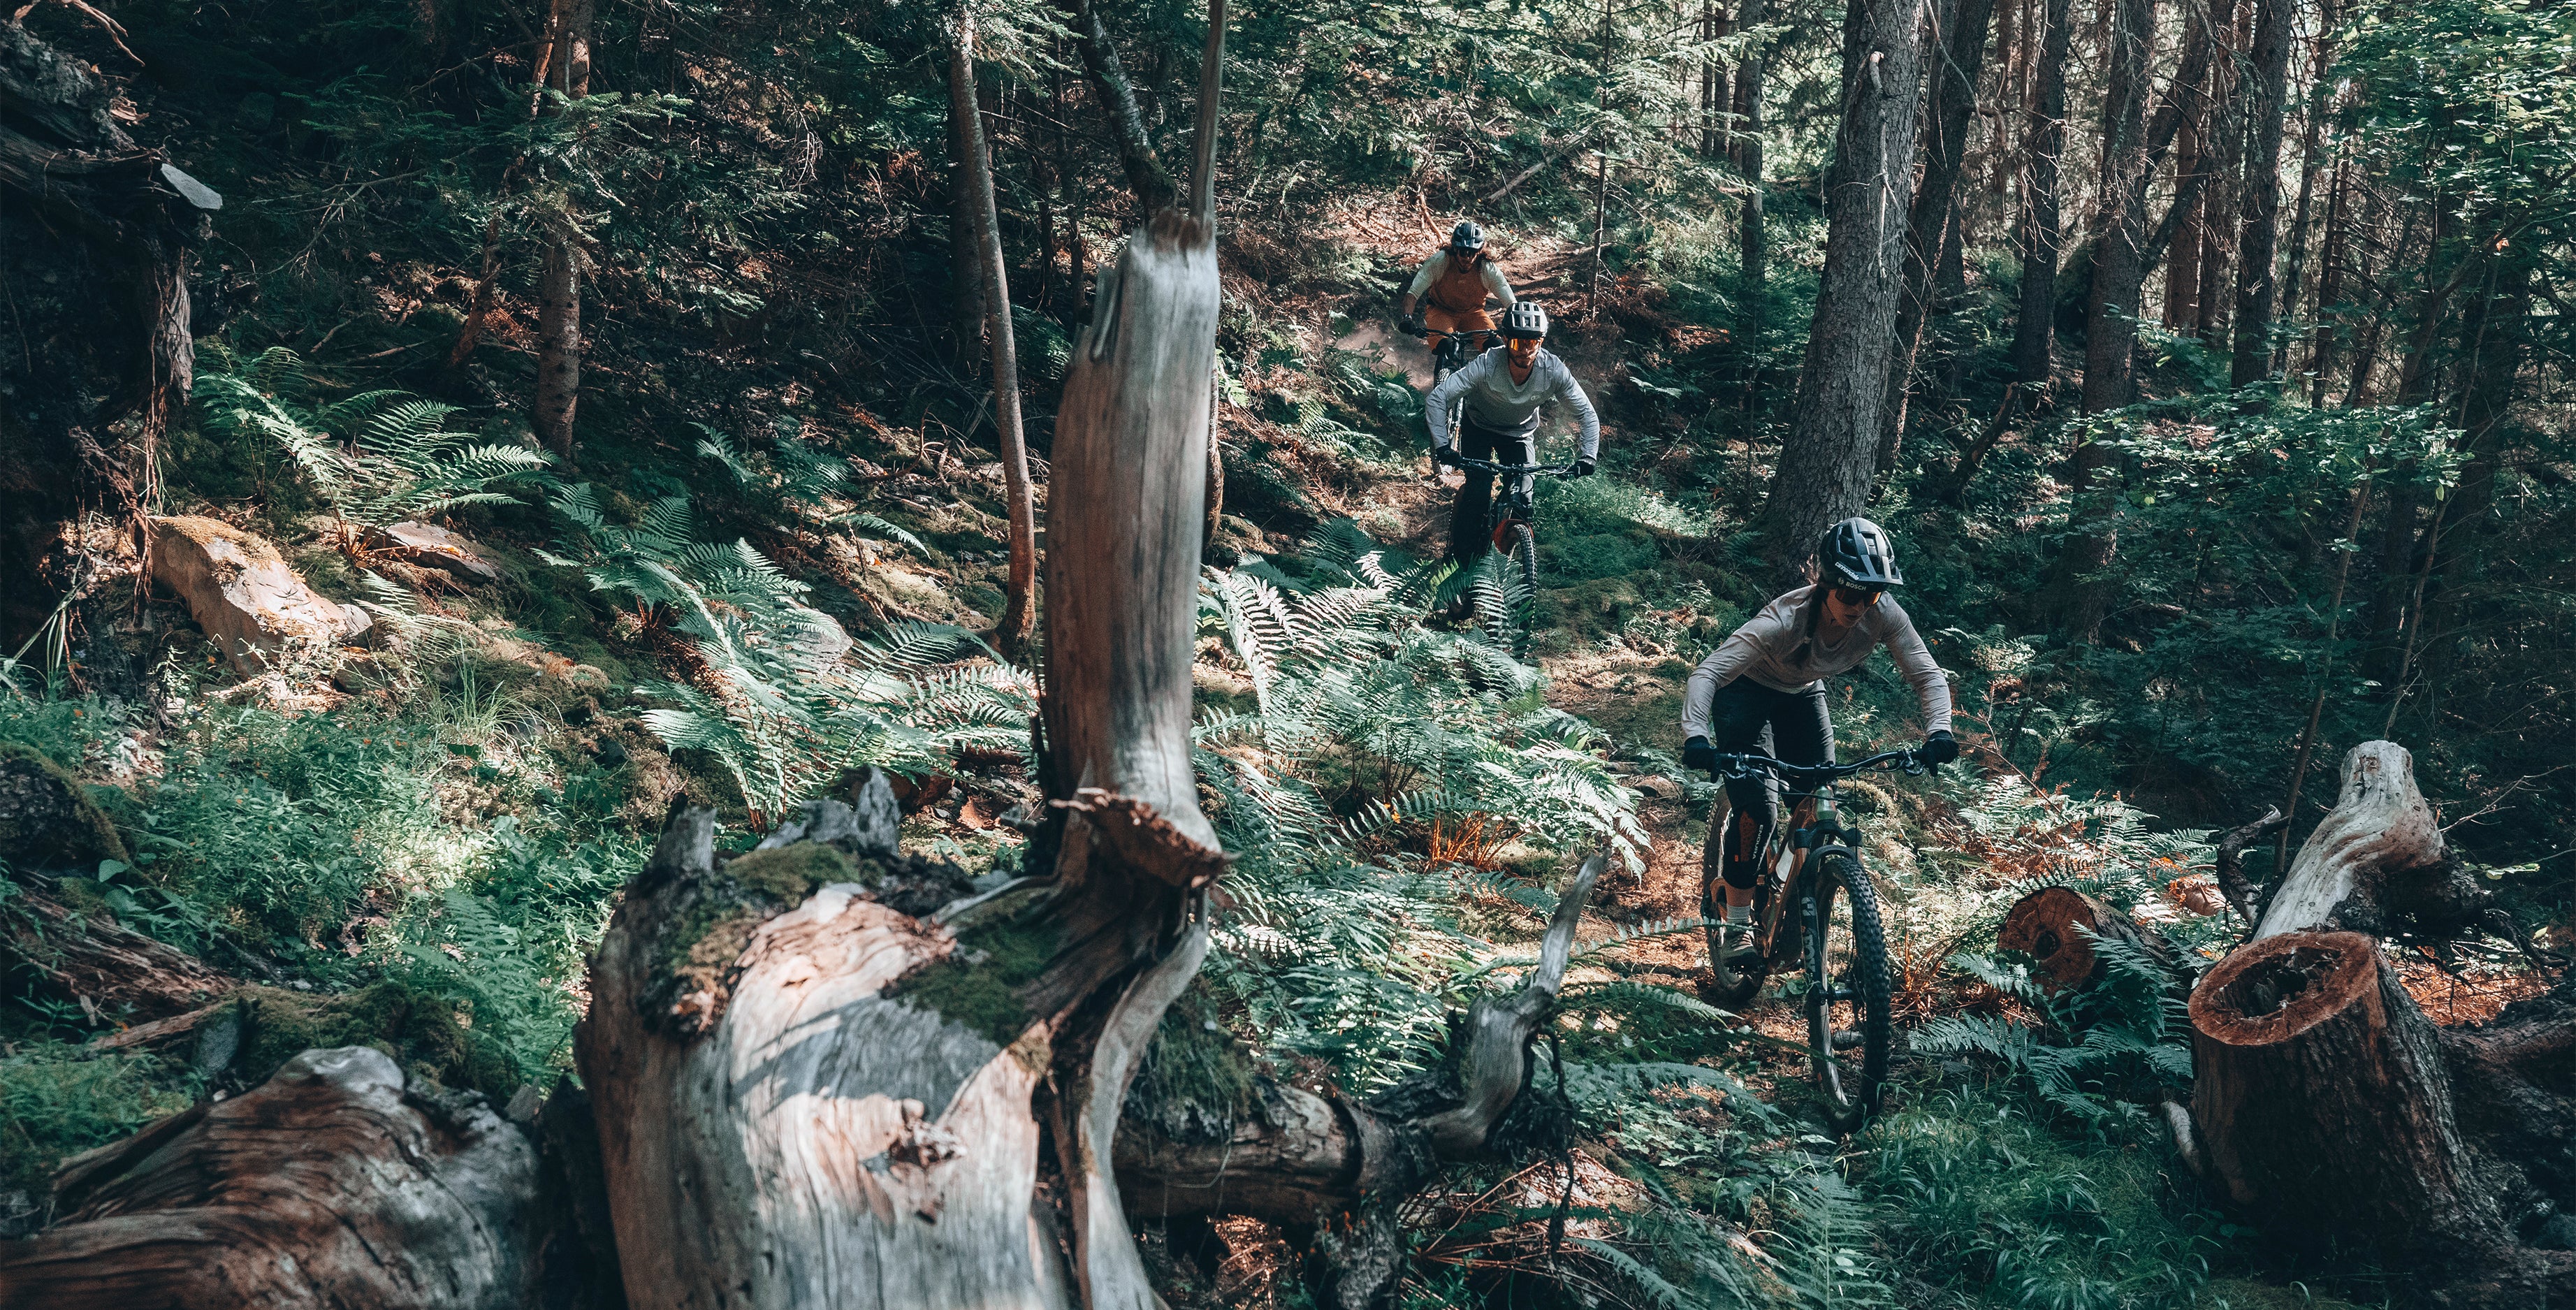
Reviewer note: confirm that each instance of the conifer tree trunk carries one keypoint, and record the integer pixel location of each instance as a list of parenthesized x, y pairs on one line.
[(1829, 457), (2034, 328), (2320, 101), (2182, 269), (2332, 259), (2265, 106), (1016, 609), (965, 260), (559, 286), (1748, 152), (1932, 229), (2223, 142)]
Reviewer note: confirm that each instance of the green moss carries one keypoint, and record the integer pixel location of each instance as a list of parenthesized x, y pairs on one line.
[(423, 1033), (789, 874), (978, 985), (1196, 1080), (47, 816)]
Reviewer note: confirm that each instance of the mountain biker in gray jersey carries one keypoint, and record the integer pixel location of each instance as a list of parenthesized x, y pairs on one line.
[(1503, 392), (1762, 691)]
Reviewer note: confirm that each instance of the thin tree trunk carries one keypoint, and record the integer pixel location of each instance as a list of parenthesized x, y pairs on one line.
[(2330, 275), (1601, 194), (1146, 177), (1932, 226), (965, 261), (2265, 106), (1716, 92), (1017, 610), (2035, 326), (1828, 460), (2182, 276), (2349, 547), (2224, 144), (1748, 152), (2319, 102), (559, 288)]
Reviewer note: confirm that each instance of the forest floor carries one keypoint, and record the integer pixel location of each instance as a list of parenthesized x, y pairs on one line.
[(457, 823)]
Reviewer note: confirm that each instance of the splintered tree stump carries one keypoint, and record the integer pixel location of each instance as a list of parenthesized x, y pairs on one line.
[(331, 1184), (2057, 927), (2378, 845)]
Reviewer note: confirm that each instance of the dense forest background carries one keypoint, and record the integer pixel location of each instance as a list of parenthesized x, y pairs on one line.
[(2208, 363)]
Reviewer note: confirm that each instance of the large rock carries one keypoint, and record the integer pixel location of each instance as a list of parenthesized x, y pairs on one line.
[(242, 593), (433, 547), (47, 820)]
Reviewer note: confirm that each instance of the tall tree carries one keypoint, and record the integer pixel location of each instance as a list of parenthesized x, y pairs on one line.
[(2223, 141), (1146, 176), (1748, 148), (1829, 457), (1013, 632), (2266, 104), (2319, 105), (965, 261), (2045, 115), (1932, 228), (559, 285)]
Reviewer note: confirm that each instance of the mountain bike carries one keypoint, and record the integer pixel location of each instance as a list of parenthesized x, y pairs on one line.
[(1507, 524), (1455, 349), (1808, 862)]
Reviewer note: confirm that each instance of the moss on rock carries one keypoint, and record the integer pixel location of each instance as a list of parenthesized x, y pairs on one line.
[(47, 819), (423, 1033)]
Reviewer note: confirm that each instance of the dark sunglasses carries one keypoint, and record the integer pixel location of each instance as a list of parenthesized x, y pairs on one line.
[(1856, 596)]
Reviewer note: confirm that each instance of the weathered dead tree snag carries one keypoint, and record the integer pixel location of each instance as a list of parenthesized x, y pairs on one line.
[(828, 1074), (96, 234), (331, 1184), (2325, 1102)]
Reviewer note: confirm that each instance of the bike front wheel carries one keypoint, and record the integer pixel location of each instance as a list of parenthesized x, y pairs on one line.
[(1848, 992), (1523, 569)]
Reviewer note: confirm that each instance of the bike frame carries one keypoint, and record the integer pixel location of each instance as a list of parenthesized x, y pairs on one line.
[(1815, 823), (1515, 505)]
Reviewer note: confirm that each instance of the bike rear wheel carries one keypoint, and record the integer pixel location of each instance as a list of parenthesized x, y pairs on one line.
[(1737, 981), (1848, 992)]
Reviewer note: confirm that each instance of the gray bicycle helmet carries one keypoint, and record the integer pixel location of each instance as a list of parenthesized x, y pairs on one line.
[(1526, 318), (1467, 238), (1855, 552)]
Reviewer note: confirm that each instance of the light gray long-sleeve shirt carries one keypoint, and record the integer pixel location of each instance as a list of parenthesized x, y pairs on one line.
[(1496, 402), (1773, 649)]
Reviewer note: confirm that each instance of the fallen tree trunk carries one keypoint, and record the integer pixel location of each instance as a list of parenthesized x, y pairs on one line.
[(2059, 927), (114, 974), (2326, 1103), (331, 1184)]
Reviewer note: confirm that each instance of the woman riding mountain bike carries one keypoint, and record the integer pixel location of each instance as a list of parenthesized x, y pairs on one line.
[(1762, 691), (1498, 396), (1450, 290)]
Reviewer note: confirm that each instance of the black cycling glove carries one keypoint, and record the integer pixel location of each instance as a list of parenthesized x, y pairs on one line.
[(1698, 754), (1938, 748), (1583, 467), (1444, 456)]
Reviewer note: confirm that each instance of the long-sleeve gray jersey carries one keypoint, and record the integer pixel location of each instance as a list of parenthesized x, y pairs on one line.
[(1774, 650), (1437, 267), (1495, 402)]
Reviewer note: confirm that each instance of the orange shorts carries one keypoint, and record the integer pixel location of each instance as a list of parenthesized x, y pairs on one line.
[(1443, 322)]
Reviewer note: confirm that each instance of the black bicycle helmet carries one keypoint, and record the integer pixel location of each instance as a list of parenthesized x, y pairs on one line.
[(1467, 238), (1855, 553), (1526, 318)]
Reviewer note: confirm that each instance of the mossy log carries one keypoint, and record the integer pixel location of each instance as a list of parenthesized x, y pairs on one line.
[(114, 974), (334, 1183)]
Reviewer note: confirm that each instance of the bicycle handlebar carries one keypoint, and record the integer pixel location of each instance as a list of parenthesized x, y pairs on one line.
[(1746, 766), (1509, 470)]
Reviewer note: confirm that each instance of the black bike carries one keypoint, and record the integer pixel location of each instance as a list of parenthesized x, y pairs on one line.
[(1507, 527), (1455, 349), (1807, 863)]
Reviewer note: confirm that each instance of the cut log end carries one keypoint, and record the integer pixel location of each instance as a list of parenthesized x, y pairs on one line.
[(2056, 927), (2280, 987)]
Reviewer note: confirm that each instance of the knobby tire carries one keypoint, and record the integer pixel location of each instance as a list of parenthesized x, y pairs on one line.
[(1849, 1082)]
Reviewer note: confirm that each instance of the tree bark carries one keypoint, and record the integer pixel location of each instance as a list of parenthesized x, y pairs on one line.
[(1827, 462), (1017, 608), (2224, 144), (1933, 225), (2379, 830), (1146, 178), (966, 158), (2110, 318), (2034, 328), (2265, 108), (1750, 238), (113, 974), (2319, 99), (559, 286), (892, 1155), (332, 1183)]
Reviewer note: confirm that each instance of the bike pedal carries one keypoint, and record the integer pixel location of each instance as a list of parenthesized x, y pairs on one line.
[(1845, 1041)]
